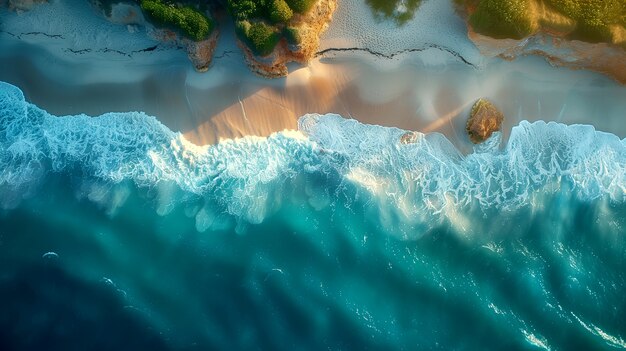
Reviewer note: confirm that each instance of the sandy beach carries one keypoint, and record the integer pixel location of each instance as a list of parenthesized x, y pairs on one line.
[(425, 83)]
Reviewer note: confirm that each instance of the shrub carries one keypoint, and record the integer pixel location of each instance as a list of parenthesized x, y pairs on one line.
[(279, 11), (503, 18), (511, 18), (191, 22), (594, 17), (301, 6), (293, 35), (245, 9), (260, 37), (242, 28)]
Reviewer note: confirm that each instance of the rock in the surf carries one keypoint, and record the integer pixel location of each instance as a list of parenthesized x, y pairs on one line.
[(484, 119)]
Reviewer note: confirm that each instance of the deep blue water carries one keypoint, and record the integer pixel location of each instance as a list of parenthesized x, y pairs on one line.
[(116, 233)]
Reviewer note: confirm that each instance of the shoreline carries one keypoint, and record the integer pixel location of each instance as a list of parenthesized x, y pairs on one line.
[(429, 90)]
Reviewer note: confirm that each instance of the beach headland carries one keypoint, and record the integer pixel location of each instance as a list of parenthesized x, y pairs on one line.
[(575, 34), (300, 41)]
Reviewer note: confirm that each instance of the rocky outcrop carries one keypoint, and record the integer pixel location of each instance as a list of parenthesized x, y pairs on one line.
[(600, 57), (484, 119), (200, 52), (552, 38), (310, 26)]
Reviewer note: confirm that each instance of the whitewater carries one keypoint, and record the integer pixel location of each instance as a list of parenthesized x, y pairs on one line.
[(427, 174), (338, 235)]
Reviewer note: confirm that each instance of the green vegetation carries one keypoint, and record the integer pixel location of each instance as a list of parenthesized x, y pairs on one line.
[(259, 23), (279, 11), (245, 9), (260, 37), (274, 11), (398, 10), (262, 23), (503, 18), (301, 6), (193, 23), (594, 17), (293, 35)]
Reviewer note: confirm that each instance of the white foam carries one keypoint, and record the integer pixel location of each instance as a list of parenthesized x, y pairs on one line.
[(249, 178), (431, 172)]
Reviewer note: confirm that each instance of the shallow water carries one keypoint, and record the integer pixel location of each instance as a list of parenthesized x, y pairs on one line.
[(118, 233)]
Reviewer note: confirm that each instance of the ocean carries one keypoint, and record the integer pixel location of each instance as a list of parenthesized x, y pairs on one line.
[(118, 233)]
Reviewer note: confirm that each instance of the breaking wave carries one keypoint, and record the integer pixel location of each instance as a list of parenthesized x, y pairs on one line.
[(250, 177)]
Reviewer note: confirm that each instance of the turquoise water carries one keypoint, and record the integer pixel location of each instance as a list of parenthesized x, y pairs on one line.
[(116, 233)]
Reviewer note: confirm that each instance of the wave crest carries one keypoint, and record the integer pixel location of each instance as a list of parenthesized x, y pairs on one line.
[(250, 177), (431, 169)]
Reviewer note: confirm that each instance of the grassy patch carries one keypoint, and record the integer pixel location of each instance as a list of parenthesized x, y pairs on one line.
[(260, 37), (400, 11), (191, 22), (243, 10), (513, 19), (279, 11), (276, 11), (503, 18), (594, 17), (301, 6), (262, 23), (293, 35)]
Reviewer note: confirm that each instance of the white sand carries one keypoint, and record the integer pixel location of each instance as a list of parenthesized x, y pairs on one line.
[(426, 91), (435, 24)]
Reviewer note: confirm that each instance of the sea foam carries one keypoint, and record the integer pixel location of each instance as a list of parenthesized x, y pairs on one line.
[(248, 178)]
